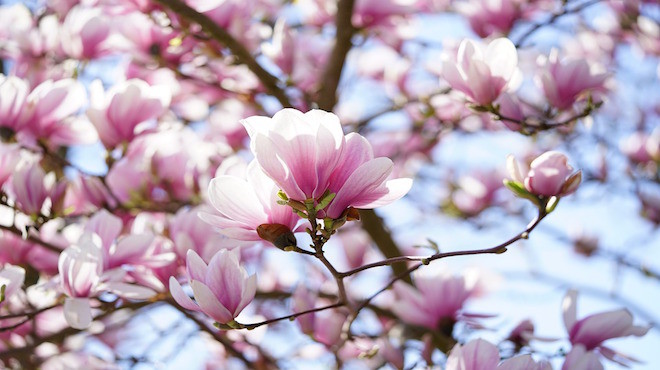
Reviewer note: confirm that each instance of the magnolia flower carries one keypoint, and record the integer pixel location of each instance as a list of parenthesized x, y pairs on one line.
[(308, 154), (243, 205), (10, 156), (549, 175), (117, 113), (221, 289), (591, 331), (85, 32), (436, 301), (11, 281), (132, 249), (32, 187), (491, 16), (564, 81), (476, 192), (49, 112), (81, 277), (479, 354), (482, 72)]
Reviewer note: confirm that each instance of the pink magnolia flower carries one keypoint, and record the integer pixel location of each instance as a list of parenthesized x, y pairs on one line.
[(479, 354), (549, 175), (13, 93), (118, 113), (287, 50), (308, 154), (82, 276), (32, 187), (567, 80), (476, 192), (487, 17), (84, 33), (162, 166), (482, 73), (243, 204), (436, 301), (50, 111), (133, 249), (591, 331), (11, 280), (10, 155), (221, 289), (188, 231)]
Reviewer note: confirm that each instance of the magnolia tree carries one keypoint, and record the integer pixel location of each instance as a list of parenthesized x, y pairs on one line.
[(198, 184)]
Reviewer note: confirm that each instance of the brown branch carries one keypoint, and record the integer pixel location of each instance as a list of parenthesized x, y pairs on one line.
[(374, 226), (14, 230), (217, 335), (327, 97), (222, 36), (289, 317), (553, 18)]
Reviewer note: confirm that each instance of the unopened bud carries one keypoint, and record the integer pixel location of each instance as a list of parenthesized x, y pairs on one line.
[(279, 235)]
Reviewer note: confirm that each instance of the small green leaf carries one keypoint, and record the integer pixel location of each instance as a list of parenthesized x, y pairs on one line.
[(551, 204)]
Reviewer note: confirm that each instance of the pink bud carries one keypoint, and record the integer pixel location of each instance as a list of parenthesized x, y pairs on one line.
[(549, 175)]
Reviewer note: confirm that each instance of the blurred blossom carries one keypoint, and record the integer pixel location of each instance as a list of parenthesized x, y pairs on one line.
[(476, 191), (590, 332), (82, 276), (84, 33), (11, 281), (479, 354), (221, 289), (436, 300), (118, 113), (32, 188), (188, 231), (489, 17), (482, 72), (566, 81), (162, 166)]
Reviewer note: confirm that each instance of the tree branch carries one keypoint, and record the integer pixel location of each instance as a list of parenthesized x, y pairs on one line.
[(327, 97), (222, 36)]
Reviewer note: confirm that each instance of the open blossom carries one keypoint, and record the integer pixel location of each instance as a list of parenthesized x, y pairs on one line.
[(482, 73), (32, 187), (479, 354), (436, 301), (117, 113), (221, 289), (307, 154), (244, 204), (589, 333), (549, 175), (491, 16), (82, 276), (85, 33), (133, 249), (565, 81)]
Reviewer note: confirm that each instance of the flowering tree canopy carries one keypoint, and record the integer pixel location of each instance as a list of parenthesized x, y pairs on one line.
[(263, 184)]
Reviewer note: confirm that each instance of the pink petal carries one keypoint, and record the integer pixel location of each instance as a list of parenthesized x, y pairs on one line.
[(209, 304), (180, 296)]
